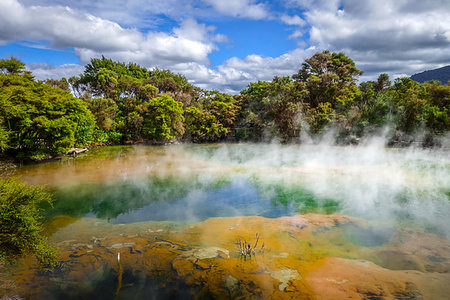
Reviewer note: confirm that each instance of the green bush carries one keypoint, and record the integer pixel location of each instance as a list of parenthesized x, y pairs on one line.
[(20, 227)]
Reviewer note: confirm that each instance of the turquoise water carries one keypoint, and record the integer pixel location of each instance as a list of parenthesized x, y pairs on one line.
[(183, 200), (190, 183), (157, 206)]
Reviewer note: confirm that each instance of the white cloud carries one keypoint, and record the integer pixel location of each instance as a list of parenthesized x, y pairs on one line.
[(240, 8), (235, 74), (313, 4), (293, 20), (91, 36), (42, 71), (395, 36), (135, 13)]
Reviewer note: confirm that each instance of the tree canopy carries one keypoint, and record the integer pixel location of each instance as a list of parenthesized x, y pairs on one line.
[(123, 102), (39, 120)]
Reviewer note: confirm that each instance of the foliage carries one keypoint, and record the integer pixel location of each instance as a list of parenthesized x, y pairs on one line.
[(104, 111), (201, 126), (4, 139), (274, 104), (39, 120), (124, 102), (163, 118), (61, 84), (329, 77), (320, 116), (132, 101), (326, 96), (11, 66), (20, 228)]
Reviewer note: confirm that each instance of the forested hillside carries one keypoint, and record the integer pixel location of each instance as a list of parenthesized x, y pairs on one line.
[(116, 103), (440, 74)]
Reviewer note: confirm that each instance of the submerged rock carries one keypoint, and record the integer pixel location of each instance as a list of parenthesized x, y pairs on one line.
[(284, 276), (211, 252), (231, 283), (122, 245)]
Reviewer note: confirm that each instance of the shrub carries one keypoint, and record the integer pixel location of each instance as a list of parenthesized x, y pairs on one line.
[(20, 227)]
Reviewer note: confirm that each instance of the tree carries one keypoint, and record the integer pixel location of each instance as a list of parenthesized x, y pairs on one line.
[(276, 104), (104, 111), (11, 66), (329, 77), (383, 83), (410, 100), (62, 84), (201, 126), (4, 138), (39, 120), (162, 118)]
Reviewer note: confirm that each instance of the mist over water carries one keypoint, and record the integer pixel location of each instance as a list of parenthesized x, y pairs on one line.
[(174, 214), (190, 183)]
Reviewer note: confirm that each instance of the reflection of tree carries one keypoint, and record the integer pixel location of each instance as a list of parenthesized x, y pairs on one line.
[(109, 200), (302, 199)]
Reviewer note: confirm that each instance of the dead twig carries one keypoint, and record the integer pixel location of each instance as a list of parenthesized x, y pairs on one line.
[(245, 248)]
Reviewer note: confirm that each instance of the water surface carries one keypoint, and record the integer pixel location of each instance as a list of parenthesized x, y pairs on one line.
[(159, 206)]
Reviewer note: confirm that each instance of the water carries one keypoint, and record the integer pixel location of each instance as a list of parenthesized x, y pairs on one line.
[(159, 206)]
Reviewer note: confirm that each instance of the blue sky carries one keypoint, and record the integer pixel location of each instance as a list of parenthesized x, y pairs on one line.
[(225, 45)]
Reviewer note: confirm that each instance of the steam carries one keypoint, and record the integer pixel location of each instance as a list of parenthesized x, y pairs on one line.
[(409, 185), (190, 183)]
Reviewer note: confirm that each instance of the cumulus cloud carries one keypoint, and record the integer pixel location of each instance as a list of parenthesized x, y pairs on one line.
[(185, 50), (135, 13), (313, 4), (235, 74), (91, 36), (293, 20), (42, 71), (399, 37), (240, 8)]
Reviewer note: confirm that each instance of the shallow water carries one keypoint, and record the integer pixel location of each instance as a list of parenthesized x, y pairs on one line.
[(175, 213)]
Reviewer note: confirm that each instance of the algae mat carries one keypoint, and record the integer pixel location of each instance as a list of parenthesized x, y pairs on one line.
[(300, 257)]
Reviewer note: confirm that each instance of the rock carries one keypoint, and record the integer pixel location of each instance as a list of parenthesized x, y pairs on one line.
[(211, 252), (231, 283), (284, 276), (122, 245)]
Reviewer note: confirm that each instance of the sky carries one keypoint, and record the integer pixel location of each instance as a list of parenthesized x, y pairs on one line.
[(226, 44)]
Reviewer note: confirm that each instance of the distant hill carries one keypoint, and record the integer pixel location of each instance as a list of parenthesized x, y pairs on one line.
[(441, 74)]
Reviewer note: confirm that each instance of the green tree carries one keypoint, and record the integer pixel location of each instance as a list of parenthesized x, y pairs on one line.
[(11, 66), (410, 100), (62, 83), (4, 138), (201, 126), (329, 77), (104, 111), (41, 120), (383, 83), (163, 118)]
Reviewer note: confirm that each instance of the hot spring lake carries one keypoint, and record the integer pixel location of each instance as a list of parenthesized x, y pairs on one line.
[(332, 223)]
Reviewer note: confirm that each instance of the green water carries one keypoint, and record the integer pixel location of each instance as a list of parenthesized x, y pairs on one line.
[(190, 183), (148, 195)]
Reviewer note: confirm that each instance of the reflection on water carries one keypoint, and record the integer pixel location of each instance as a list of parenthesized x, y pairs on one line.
[(182, 200), (159, 207)]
